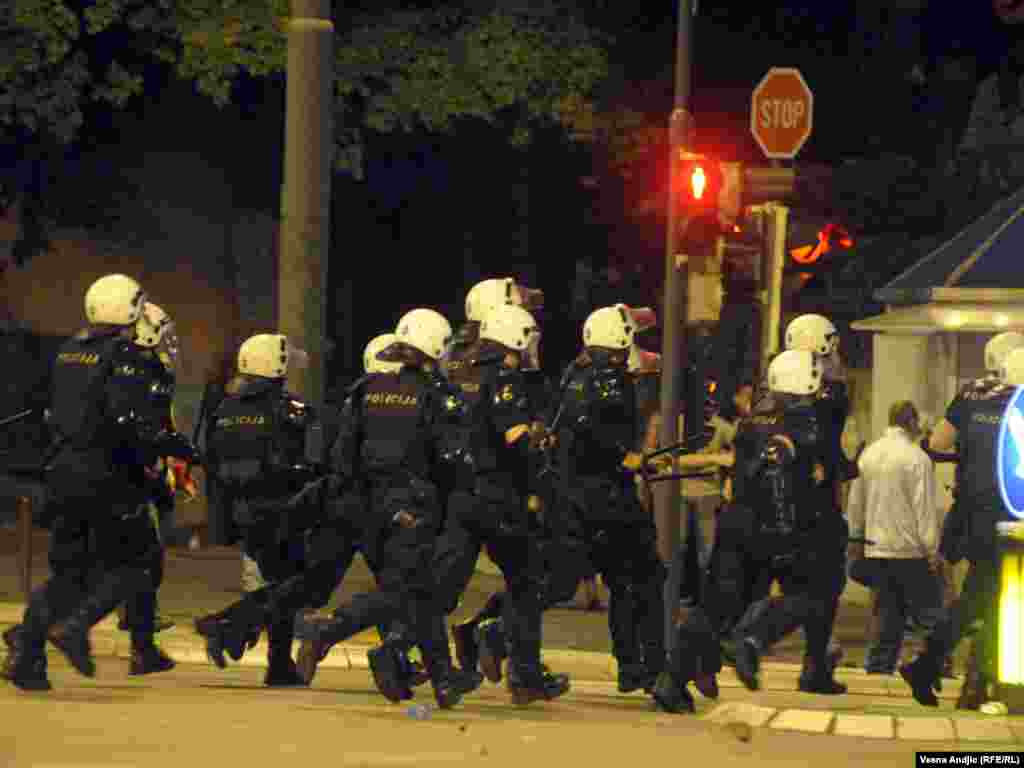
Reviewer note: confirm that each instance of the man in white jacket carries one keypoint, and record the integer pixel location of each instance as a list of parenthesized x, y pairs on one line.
[(895, 524)]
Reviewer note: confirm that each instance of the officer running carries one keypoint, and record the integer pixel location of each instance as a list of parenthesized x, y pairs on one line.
[(817, 334), (98, 490), (773, 521), (971, 428), (391, 443), (256, 448)]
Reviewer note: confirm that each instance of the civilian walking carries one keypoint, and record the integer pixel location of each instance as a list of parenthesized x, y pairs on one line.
[(894, 530)]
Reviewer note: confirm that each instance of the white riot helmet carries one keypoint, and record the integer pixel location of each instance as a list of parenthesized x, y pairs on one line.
[(269, 356), (1012, 370), (999, 346), (488, 295), (371, 363), (114, 300), (812, 333), (515, 329), (795, 372), (642, 361), (424, 330), (615, 327)]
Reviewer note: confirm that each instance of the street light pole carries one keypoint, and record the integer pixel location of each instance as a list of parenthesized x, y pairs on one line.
[(670, 522), (306, 196)]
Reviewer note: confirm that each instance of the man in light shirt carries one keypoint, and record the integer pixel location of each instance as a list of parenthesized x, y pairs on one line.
[(894, 533)]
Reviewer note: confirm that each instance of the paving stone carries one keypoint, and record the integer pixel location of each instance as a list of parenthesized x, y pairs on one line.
[(978, 729), (925, 729), (802, 720), (751, 714), (865, 726)]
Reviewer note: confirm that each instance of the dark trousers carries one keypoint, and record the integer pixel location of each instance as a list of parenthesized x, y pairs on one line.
[(102, 550), (976, 603), (473, 521), (406, 593), (904, 587), (808, 575), (625, 555), (140, 611)]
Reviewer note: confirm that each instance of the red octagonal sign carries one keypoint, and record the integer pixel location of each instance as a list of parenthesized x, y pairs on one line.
[(781, 113)]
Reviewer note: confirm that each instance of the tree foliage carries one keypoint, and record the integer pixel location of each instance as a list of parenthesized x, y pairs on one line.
[(515, 64)]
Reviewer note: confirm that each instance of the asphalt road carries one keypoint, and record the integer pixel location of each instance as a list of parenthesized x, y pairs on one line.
[(199, 716)]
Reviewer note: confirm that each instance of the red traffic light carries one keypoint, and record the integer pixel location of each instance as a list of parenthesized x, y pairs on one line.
[(699, 182)]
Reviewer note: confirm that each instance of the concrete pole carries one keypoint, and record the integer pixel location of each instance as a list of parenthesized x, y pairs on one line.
[(306, 195), (667, 494)]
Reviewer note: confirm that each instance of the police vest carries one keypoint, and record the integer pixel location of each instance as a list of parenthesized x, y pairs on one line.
[(141, 390), (458, 402), (984, 404), (776, 450), (395, 418), (79, 412), (503, 404), (256, 443), (599, 422)]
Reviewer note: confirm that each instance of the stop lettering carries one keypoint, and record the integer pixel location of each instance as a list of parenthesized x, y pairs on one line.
[(781, 113)]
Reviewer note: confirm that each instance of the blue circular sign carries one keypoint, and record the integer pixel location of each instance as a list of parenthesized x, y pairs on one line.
[(1010, 455)]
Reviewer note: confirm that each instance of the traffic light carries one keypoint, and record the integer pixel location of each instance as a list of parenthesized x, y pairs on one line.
[(699, 182)]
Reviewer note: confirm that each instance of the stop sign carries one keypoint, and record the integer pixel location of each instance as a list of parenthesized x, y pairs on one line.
[(781, 113)]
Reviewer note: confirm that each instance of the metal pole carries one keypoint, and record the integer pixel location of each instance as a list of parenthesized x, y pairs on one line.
[(667, 501), (306, 195), (776, 218)]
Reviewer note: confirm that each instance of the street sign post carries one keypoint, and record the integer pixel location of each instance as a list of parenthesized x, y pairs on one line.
[(782, 112)]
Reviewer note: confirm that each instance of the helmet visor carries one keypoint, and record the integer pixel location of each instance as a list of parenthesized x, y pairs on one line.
[(642, 361), (530, 299), (168, 349), (297, 357), (531, 355), (641, 318)]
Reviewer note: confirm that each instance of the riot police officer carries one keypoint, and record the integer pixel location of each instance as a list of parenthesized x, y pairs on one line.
[(255, 445), (971, 427), (97, 487), (144, 377), (773, 521), (817, 334), (496, 513), (143, 385), (391, 444)]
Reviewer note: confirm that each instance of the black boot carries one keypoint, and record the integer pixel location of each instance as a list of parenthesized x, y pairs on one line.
[(534, 683), (27, 672), (318, 636), (633, 676), (748, 662), (922, 675), (490, 639), (450, 684), (234, 629), (148, 659), (670, 696), (390, 674), (281, 670)]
